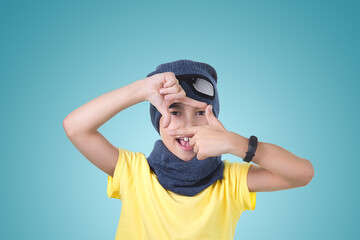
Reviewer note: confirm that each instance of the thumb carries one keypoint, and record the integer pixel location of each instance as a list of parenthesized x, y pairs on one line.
[(212, 120), (167, 118)]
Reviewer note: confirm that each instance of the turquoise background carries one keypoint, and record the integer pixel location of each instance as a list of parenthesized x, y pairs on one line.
[(288, 73)]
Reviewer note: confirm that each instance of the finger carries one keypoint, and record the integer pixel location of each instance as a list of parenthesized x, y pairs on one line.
[(195, 149), (182, 131), (174, 89), (180, 96), (200, 156), (210, 115), (170, 79), (175, 96), (166, 115), (192, 141), (165, 119), (193, 102)]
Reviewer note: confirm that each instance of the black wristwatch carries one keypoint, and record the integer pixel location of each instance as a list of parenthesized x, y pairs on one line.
[(252, 148)]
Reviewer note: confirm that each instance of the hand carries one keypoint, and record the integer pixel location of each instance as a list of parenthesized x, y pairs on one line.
[(163, 90), (209, 140)]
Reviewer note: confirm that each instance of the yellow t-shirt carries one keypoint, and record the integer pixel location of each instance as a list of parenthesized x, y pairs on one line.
[(151, 212)]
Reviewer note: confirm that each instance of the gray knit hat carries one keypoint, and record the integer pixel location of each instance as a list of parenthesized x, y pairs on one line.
[(198, 80)]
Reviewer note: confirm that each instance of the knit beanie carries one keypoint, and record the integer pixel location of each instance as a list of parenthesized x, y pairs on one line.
[(199, 81)]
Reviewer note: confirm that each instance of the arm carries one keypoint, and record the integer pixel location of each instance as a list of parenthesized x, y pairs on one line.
[(81, 125), (278, 168)]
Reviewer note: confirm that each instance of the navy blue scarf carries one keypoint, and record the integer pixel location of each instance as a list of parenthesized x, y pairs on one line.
[(181, 177)]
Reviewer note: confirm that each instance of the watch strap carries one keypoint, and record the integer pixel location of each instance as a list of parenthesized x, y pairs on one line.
[(251, 149)]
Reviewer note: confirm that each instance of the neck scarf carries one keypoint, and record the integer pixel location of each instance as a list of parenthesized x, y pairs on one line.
[(181, 177)]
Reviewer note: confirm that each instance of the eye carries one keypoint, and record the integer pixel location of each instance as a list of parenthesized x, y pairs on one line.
[(174, 113), (202, 112)]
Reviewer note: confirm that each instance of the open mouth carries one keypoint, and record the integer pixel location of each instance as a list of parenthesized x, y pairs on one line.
[(184, 143)]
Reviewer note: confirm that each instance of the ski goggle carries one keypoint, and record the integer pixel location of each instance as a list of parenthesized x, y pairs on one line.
[(199, 84)]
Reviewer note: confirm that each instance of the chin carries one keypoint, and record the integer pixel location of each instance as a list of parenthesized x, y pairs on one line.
[(187, 158)]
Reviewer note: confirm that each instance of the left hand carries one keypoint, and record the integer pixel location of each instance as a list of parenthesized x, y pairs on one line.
[(209, 140)]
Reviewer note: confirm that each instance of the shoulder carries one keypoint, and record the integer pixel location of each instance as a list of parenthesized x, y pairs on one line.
[(130, 155), (236, 173), (131, 159), (236, 167)]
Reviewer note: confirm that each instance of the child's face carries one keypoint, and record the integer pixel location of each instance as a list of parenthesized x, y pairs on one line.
[(182, 116)]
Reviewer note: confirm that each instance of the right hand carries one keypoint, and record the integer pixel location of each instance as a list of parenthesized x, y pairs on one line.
[(172, 92)]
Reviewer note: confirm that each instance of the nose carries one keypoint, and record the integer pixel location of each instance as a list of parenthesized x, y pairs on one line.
[(190, 121)]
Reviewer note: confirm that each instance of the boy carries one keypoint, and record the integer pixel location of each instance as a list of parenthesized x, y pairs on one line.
[(182, 190)]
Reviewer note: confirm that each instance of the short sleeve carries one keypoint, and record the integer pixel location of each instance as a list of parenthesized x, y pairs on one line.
[(122, 180), (244, 199)]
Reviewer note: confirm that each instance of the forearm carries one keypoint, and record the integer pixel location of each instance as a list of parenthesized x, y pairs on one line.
[(90, 116), (277, 160)]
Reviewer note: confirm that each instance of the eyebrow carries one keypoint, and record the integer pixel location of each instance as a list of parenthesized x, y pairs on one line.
[(178, 106)]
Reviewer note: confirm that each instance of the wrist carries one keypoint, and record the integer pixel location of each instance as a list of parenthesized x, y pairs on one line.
[(143, 89), (239, 145)]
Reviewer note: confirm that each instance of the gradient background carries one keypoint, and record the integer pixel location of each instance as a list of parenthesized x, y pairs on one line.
[(288, 73)]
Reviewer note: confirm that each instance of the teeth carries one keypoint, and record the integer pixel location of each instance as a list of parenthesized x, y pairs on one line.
[(185, 139)]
